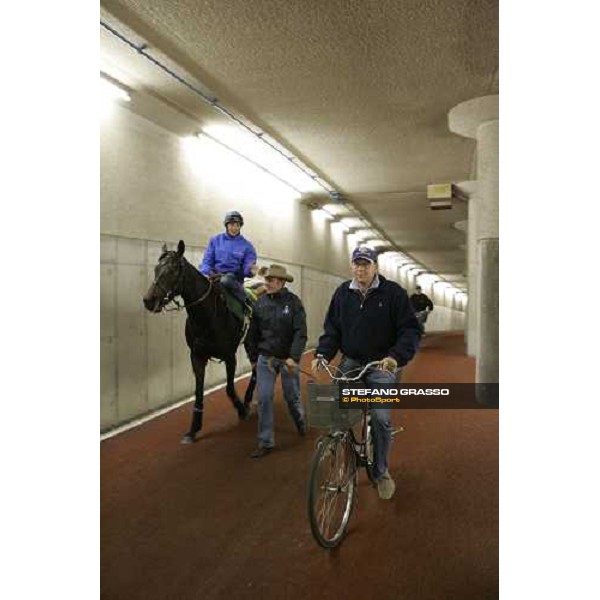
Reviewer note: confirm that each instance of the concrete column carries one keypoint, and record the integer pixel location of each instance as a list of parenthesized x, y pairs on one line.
[(469, 323), (473, 280), (478, 119), (488, 251)]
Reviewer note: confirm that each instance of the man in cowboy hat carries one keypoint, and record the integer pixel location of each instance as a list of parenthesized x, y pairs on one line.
[(274, 344)]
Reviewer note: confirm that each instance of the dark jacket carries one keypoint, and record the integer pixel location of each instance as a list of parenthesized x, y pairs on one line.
[(278, 327), (421, 302), (366, 329)]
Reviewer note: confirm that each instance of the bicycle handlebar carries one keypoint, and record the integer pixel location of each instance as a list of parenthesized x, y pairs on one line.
[(326, 367)]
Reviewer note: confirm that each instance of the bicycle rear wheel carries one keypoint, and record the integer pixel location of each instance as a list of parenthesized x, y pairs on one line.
[(332, 488)]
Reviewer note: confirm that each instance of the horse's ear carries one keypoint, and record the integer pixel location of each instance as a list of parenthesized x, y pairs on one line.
[(180, 248), (164, 249)]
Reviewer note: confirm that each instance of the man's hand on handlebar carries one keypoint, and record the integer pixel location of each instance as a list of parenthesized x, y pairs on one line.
[(389, 364), (318, 363)]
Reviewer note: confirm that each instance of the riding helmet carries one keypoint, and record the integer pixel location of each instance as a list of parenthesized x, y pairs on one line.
[(233, 216)]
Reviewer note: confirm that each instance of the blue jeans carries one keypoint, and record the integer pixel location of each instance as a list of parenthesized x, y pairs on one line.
[(265, 385), (229, 281), (381, 418)]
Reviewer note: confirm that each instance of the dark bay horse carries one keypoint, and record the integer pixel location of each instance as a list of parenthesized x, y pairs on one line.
[(211, 330)]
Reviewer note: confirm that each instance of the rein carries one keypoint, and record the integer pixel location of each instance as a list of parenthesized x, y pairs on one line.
[(171, 296), (183, 306)]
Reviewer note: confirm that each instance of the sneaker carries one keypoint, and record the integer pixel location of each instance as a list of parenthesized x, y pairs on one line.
[(260, 452), (386, 486)]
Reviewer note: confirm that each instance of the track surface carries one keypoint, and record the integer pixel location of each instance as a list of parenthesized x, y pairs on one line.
[(206, 521)]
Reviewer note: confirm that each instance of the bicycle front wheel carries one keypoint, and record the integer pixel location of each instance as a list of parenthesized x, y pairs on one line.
[(370, 453), (331, 489)]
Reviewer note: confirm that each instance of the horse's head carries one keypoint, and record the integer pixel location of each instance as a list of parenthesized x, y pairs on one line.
[(168, 279)]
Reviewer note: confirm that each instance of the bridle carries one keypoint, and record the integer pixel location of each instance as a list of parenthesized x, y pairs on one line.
[(170, 296)]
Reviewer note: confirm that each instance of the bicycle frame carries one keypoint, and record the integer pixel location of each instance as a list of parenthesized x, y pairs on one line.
[(340, 482), (359, 445)]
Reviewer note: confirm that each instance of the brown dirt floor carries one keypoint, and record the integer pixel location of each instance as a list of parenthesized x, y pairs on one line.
[(206, 521)]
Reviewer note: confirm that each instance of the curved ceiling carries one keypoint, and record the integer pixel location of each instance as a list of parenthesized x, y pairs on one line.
[(358, 89)]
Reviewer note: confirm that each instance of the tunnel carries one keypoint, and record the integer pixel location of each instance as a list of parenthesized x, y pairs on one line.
[(329, 126)]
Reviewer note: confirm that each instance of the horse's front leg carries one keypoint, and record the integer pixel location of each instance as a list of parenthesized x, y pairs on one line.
[(242, 410), (199, 367), (251, 387)]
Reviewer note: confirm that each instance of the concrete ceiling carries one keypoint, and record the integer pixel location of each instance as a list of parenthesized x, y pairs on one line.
[(357, 89)]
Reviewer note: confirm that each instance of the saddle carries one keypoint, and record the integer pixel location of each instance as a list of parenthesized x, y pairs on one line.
[(243, 313)]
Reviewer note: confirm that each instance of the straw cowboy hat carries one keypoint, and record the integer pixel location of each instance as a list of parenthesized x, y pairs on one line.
[(276, 271)]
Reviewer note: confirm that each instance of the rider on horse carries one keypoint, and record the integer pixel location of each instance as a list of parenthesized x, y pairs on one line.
[(231, 255)]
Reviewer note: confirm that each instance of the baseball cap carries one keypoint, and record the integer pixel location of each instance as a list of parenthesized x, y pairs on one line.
[(364, 253)]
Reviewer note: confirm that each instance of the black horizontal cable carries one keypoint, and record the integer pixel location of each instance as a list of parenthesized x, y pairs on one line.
[(214, 102)]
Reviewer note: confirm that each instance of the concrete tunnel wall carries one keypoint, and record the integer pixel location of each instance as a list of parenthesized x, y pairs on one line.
[(153, 192)]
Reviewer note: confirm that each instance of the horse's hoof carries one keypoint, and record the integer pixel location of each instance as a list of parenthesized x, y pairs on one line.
[(188, 438)]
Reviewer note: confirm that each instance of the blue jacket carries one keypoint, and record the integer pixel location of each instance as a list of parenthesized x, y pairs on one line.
[(366, 329), (227, 254)]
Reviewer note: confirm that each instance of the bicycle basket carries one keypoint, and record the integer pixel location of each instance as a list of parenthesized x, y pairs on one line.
[(324, 411)]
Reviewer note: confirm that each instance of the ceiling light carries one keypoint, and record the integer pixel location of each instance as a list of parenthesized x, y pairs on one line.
[(335, 209), (364, 232), (340, 227), (323, 214), (353, 222), (111, 91), (251, 146), (232, 175)]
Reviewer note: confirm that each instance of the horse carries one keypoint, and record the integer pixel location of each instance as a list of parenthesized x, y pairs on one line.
[(211, 329)]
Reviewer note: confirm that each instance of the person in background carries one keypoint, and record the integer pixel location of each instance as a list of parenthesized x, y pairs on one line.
[(422, 306)]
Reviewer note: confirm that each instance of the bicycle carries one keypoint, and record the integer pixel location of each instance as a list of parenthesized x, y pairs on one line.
[(339, 455), (422, 316)]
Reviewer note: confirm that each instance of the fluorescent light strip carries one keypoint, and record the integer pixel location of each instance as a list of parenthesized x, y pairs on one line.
[(112, 91), (253, 162), (254, 148)]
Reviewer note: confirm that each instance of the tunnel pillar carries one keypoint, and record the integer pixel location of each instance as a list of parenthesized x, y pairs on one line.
[(479, 119), (473, 277)]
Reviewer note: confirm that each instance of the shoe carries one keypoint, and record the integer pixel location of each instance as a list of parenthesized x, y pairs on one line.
[(386, 486), (301, 427), (260, 452)]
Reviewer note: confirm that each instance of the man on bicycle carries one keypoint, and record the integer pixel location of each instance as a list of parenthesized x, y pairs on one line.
[(369, 319), (231, 255)]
